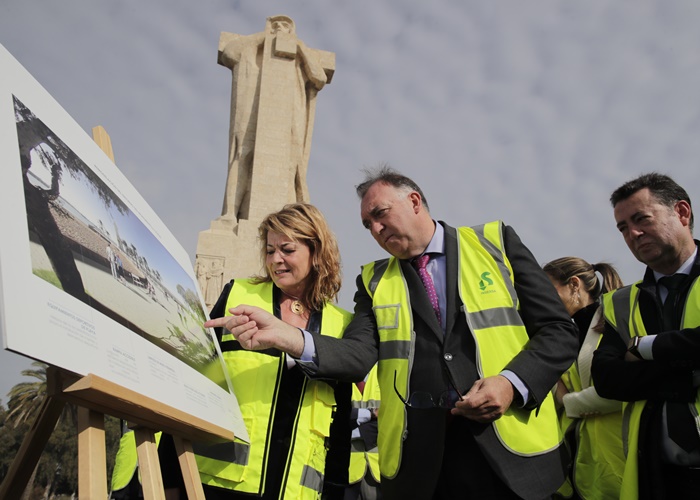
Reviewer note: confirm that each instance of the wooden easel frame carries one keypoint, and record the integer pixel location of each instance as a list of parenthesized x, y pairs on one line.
[(95, 397)]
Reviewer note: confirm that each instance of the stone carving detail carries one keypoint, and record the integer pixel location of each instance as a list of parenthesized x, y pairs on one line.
[(210, 276)]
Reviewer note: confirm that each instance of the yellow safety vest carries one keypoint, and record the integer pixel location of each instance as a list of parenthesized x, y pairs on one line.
[(255, 378), (599, 461), (621, 309), (487, 291), (126, 461), (362, 459)]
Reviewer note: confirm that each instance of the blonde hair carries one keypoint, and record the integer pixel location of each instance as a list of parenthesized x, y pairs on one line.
[(305, 224)]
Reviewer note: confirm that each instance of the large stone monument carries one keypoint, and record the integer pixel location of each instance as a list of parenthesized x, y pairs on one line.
[(273, 100)]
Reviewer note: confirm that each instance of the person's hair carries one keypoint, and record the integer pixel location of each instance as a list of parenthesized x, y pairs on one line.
[(305, 224), (565, 268), (662, 187), (387, 175)]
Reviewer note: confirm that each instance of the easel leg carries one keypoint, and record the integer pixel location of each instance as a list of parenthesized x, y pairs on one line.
[(33, 445), (151, 480), (92, 457), (188, 465)]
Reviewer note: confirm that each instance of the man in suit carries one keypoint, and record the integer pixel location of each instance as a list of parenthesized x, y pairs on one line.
[(467, 355), (650, 352)]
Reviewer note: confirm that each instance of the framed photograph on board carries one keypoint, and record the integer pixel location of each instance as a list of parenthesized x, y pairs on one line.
[(91, 280)]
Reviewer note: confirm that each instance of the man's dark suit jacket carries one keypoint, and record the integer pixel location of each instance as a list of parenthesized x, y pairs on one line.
[(668, 378), (551, 351)]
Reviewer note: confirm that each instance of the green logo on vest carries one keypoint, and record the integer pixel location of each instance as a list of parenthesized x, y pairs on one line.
[(485, 281)]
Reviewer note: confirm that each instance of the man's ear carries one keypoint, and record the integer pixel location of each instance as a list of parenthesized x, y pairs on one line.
[(682, 208), (416, 201)]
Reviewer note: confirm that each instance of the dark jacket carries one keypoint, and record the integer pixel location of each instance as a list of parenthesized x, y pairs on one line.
[(551, 350)]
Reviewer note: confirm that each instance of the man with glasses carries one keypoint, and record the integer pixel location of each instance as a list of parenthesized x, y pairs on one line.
[(470, 337)]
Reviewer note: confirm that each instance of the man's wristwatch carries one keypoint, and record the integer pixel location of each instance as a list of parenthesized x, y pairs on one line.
[(633, 349)]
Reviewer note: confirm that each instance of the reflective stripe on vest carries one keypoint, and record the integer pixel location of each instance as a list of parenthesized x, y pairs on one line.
[(255, 378), (491, 308), (622, 312), (490, 301), (395, 327)]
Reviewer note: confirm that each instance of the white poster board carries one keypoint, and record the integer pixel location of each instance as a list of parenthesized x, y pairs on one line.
[(91, 280)]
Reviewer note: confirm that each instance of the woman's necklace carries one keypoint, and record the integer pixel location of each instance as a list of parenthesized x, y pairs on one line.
[(296, 306)]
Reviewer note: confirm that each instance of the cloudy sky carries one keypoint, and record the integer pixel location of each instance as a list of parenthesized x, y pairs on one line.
[(531, 112)]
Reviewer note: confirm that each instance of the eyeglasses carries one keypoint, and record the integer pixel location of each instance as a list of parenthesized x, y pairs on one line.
[(424, 400)]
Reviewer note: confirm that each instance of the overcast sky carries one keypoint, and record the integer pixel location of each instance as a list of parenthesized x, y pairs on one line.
[(531, 112)]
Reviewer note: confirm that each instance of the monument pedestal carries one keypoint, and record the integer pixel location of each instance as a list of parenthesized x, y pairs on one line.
[(228, 249)]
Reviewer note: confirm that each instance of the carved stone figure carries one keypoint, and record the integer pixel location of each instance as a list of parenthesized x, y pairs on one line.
[(210, 273), (275, 81), (272, 70)]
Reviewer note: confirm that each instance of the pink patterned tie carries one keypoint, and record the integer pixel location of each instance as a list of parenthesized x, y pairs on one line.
[(420, 263)]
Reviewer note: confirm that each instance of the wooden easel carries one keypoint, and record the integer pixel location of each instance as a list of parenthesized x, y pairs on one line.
[(95, 397)]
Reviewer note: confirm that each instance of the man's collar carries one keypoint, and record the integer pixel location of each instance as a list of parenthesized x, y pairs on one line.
[(649, 280), (686, 267), (437, 243)]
